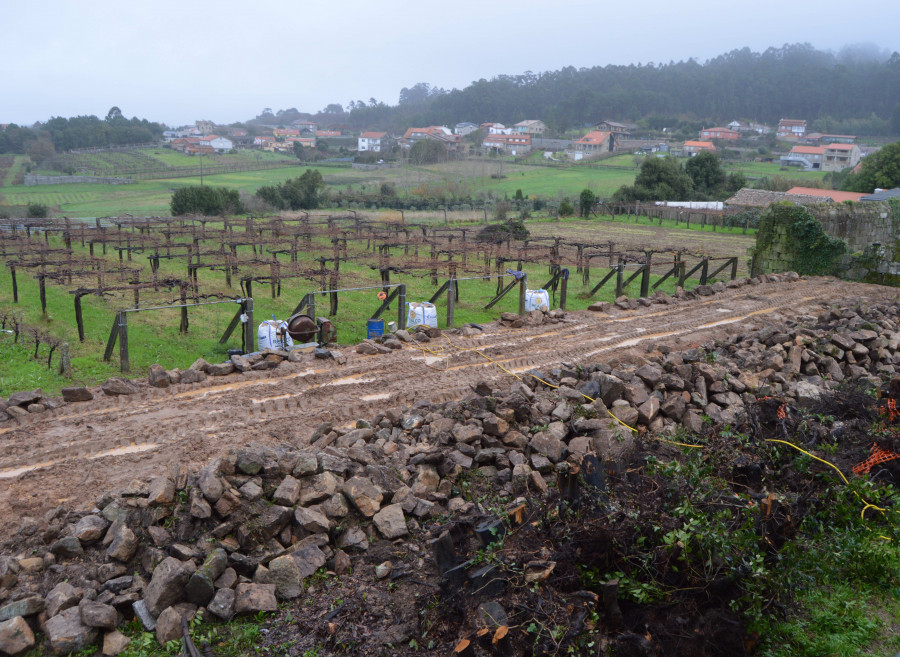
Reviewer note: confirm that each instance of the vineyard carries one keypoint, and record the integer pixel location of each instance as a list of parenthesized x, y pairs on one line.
[(68, 280)]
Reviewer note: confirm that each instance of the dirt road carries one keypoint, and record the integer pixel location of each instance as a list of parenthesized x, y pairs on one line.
[(72, 455)]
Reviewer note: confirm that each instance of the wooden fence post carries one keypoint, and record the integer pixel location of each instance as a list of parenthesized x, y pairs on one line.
[(12, 271), (522, 295), (249, 331), (451, 302), (79, 321), (401, 307), (124, 363)]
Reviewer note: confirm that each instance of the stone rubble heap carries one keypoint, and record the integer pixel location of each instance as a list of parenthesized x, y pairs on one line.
[(251, 527)]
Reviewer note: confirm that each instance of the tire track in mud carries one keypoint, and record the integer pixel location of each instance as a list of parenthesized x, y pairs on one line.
[(118, 439)]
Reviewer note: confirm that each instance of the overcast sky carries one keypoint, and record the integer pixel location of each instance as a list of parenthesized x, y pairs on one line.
[(179, 61)]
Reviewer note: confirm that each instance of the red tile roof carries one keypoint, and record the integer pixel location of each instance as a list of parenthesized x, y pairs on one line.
[(829, 193), (808, 150), (700, 144), (594, 137), (373, 135)]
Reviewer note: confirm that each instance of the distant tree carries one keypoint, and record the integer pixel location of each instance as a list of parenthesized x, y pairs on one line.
[(501, 210), (333, 108), (706, 173), (37, 211), (586, 201), (205, 200), (660, 179), (566, 209), (303, 193), (895, 119), (878, 170), (427, 151), (114, 115), (41, 149)]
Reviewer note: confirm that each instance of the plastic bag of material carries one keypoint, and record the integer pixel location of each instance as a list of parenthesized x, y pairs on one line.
[(421, 314), (273, 334), (537, 300)]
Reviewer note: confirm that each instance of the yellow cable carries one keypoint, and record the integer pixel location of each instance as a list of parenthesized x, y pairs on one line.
[(832, 465)]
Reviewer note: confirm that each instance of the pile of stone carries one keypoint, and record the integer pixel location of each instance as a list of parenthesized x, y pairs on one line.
[(625, 303), (532, 318), (20, 404), (389, 342)]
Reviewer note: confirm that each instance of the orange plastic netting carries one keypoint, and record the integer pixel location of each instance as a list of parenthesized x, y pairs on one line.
[(876, 456)]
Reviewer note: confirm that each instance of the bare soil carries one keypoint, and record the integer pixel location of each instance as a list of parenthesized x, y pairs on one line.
[(72, 455)]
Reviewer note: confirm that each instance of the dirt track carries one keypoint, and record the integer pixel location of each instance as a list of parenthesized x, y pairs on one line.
[(72, 455)]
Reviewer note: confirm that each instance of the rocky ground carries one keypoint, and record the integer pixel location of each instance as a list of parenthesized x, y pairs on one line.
[(486, 520)]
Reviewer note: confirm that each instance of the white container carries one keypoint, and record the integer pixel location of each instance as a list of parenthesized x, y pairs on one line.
[(272, 334), (537, 300), (421, 314)]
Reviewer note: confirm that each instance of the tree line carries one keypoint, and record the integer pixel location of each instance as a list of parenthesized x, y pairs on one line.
[(849, 90), (62, 134)]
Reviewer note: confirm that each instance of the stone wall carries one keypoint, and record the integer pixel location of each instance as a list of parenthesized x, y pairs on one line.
[(871, 231), (32, 180)]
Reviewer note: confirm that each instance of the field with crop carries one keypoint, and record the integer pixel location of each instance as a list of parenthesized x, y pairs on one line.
[(155, 336)]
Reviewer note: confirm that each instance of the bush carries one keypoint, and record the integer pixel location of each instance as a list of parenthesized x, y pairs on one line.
[(37, 211), (566, 209), (500, 232), (207, 201)]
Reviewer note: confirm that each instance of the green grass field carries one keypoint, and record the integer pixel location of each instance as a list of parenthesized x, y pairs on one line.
[(761, 169), (154, 336)]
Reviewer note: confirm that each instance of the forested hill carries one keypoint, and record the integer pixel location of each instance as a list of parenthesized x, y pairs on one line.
[(791, 81)]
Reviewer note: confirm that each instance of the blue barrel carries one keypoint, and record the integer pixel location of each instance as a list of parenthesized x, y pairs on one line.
[(375, 328)]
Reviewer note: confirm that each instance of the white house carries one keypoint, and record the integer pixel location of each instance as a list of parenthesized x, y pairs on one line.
[(219, 144), (371, 141)]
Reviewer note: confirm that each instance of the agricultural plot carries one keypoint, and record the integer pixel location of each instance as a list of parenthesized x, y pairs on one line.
[(278, 261)]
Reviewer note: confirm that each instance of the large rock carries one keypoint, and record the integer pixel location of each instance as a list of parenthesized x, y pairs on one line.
[(97, 614), (391, 522), (67, 547), (274, 519), (61, 597), (288, 492), (210, 484), (114, 643), (222, 604), (158, 377), (364, 495), (33, 604), (192, 376), (166, 587), (76, 394), (116, 386), (285, 575), (544, 443), (312, 520), (251, 598), (124, 544), (15, 636), (319, 488), (611, 387), (24, 398), (220, 369), (68, 634), (90, 529), (168, 626), (202, 585)]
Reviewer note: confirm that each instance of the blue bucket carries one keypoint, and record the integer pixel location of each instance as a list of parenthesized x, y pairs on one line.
[(374, 328)]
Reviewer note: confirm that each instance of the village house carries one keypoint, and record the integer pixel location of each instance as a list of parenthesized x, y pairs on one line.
[(592, 144), (719, 133), (286, 132), (791, 128), (306, 126), (692, 148), (435, 132), (202, 145), (371, 141), (532, 127), (465, 128), (809, 157), (841, 156), (496, 129), (512, 144), (620, 130), (205, 127)]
